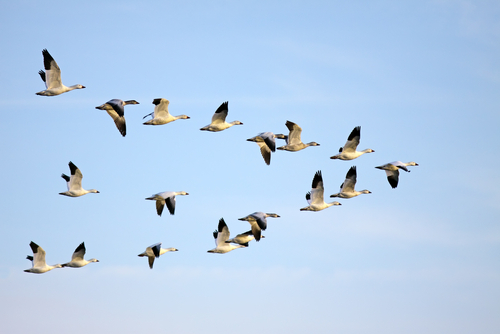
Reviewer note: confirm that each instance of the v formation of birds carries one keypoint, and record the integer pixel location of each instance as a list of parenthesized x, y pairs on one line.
[(267, 145)]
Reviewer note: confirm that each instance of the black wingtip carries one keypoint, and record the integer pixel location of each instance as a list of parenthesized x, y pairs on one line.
[(42, 75), (72, 168), (356, 132), (222, 224), (47, 59), (392, 182), (34, 247), (317, 179), (222, 107)]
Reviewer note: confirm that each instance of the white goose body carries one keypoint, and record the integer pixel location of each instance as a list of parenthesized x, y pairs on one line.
[(52, 77), (392, 170), (116, 109), (294, 143), (315, 196), (154, 251), (161, 115), (39, 266), (258, 222), (219, 120), (347, 188), (74, 183), (166, 198), (221, 235), (348, 152), (77, 260)]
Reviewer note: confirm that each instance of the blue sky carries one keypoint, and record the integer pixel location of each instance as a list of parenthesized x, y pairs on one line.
[(420, 78)]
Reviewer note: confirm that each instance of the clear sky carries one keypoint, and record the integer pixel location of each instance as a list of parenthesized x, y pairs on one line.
[(422, 80)]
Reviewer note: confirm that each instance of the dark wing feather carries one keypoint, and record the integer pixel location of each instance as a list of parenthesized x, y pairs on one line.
[(308, 196), (42, 75), (222, 108), (351, 174), (317, 179), (356, 132), (170, 202), (72, 168), (48, 60), (270, 143)]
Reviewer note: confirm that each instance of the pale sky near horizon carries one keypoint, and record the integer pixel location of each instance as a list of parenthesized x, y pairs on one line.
[(420, 78)]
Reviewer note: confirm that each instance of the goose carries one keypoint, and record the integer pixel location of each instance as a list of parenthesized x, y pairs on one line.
[(154, 251), (347, 188), (77, 260), (267, 144), (74, 183), (243, 238), (52, 77), (258, 222), (161, 114), (115, 109), (38, 261), (219, 120), (293, 141), (392, 170), (315, 196), (166, 198), (221, 235), (348, 152)]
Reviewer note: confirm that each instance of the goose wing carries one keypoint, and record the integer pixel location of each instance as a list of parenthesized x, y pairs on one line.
[(222, 233), (38, 255), (52, 71), (353, 140), (393, 177), (317, 190), (170, 202), (350, 180), (75, 182), (117, 113), (161, 108), (153, 252), (295, 132), (220, 114), (160, 203), (79, 253)]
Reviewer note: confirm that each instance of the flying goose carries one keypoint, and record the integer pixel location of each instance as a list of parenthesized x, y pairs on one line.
[(74, 183), (267, 144), (392, 170), (154, 251), (258, 222), (315, 196), (38, 261), (219, 120), (166, 198), (243, 238), (77, 260), (293, 141), (348, 152), (115, 109), (52, 77), (347, 188), (161, 115), (221, 235)]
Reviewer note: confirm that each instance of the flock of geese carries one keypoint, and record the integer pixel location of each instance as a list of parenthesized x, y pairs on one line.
[(267, 144)]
